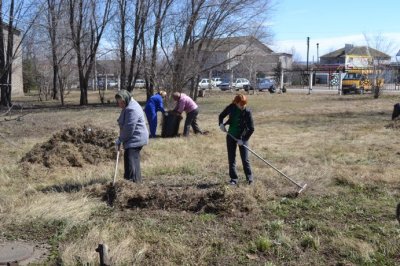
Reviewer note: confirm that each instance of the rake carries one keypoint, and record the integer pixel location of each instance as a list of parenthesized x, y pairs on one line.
[(301, 187)]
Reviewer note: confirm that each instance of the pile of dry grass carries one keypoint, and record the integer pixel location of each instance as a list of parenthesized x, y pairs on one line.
[(74, 147), (221, 199)]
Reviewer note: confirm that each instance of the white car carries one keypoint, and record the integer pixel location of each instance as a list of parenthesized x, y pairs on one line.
[(216, 81), (204, 84), (140, 84), (240, 83), (112, 83)]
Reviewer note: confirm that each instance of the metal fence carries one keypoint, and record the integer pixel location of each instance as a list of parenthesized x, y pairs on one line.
[(329, 78)]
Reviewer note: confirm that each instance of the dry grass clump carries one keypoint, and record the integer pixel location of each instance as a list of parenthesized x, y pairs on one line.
[(393, 125), (74, 147)]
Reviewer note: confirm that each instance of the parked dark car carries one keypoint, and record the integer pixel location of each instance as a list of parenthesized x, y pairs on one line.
[(266, 84), (248, 87), (224, 85)]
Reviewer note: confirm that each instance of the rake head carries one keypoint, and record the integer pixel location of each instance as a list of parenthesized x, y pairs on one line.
[(301, 189)]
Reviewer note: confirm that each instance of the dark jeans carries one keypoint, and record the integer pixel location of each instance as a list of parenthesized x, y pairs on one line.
[(191, 120), (244, 155), (132, 164)]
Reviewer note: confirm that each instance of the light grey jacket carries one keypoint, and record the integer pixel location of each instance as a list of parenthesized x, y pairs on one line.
[(133, 130)]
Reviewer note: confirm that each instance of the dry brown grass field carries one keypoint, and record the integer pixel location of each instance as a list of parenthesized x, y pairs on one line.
[(345, 148)]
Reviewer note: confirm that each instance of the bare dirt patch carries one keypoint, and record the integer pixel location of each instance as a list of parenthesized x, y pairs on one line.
[(74, 147)]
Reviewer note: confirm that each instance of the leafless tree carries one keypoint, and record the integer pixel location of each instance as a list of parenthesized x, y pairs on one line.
[(130, 41), (54, 13), (160, 9), (123, 20), (6, 58), (141, 12), (16, 11), (183, 30), (381, 44), (198, 24), (88, 20)]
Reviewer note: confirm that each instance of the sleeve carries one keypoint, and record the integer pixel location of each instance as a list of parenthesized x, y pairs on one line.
[(161, 105), (180, 105), (249, 126), (129, 124), (223, 114)]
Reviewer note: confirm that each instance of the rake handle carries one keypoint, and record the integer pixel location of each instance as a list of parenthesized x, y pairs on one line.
[(273, 167), (116, 168), (276, 169)]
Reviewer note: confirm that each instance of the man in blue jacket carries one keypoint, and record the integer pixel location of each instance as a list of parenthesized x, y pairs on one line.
[(133, 134), (154, 105)]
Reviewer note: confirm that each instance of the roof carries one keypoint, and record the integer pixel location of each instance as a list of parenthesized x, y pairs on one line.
[(357, 50), (227, 44)]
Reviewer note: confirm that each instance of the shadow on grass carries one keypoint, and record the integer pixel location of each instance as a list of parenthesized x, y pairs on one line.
[(72, 187), (29, 107), (198, 186)]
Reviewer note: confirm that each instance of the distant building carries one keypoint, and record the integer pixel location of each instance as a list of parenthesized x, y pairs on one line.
[(244, 57), (348, 58), (355, 57), (17, 86)]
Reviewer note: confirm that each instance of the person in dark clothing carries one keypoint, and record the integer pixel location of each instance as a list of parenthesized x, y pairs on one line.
[(133, 134), (241, 127), (396, 111)]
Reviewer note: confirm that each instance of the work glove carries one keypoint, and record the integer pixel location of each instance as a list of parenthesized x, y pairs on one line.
[(222, 127), (117, 144), (240, 142)]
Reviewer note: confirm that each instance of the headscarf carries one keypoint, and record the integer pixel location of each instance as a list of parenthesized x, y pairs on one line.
[(124, 95)]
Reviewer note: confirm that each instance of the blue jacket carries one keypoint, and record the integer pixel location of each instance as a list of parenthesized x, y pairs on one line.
[(155, 104), (132, 124)]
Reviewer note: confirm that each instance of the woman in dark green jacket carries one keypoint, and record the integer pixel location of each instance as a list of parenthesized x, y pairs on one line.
[(241, 127)]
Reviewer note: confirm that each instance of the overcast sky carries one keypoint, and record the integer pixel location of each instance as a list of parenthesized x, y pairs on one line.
[(332, 24)]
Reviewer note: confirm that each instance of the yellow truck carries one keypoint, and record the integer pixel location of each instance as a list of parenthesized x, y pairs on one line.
[(360, 82)]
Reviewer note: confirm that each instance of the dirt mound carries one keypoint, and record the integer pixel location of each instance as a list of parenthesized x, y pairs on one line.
[(74, 147), (222, 199)]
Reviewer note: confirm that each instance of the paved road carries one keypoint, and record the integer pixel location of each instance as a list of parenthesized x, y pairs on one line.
[(327, 90)]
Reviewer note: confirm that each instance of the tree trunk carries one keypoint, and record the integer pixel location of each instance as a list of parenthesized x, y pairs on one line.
[(122, 9), (53, 32), (7, 61), (83, 29)]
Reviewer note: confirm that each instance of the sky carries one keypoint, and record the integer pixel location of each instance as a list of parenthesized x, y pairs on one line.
[(332, 24)]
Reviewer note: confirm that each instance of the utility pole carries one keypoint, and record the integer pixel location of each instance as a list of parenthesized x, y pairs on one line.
[(317, 53), (95, 73), (309, 73), (308, 49)]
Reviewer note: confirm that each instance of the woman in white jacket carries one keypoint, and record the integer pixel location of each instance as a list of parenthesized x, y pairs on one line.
[(133, 134)]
